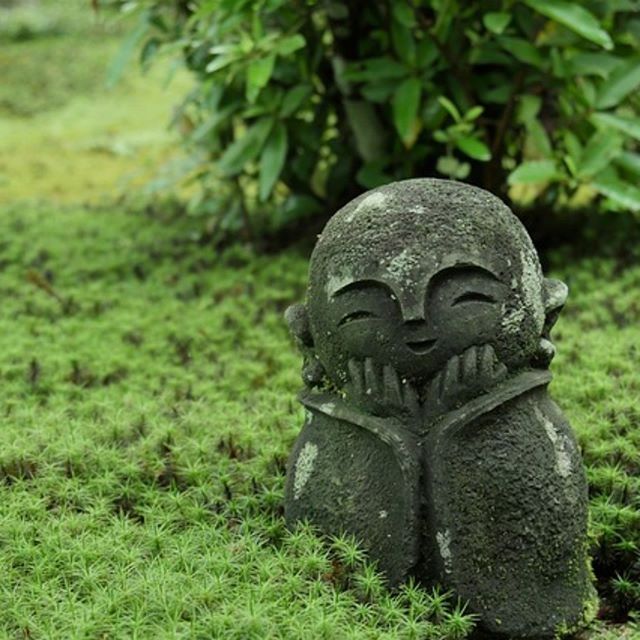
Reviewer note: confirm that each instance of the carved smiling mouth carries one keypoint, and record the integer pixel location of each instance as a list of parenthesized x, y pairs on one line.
[(421, 346)]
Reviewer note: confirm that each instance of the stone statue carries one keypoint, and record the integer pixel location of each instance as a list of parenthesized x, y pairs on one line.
[(429, 433)]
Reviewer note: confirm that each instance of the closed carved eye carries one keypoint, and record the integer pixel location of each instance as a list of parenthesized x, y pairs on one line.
[(473, 296), (356, 315)]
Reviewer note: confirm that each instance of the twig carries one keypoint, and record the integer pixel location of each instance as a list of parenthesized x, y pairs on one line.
[(37, 279), (454, 65), (490, 174), (248, 227)]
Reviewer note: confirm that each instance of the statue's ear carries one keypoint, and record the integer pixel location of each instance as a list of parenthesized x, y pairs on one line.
[(298, 320), (313, 373), (554, 296)]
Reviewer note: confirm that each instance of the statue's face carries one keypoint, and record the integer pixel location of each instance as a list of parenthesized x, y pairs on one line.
[(455, 308), (416, 272)]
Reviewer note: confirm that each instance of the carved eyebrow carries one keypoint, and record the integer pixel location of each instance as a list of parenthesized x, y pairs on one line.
[(466, 269), (355, 315), (473, 296), (363, 284)]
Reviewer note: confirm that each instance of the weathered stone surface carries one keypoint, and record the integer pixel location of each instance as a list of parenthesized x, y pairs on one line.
[(430, 434)]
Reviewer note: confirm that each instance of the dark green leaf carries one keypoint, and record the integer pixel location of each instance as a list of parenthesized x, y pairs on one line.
[(450, 107), (290, 44), (433, 113), (533, 172), (474, 148), (489, 53), (258, 75), (628, 126), (219, 62), (426, 52), (245, 148), (496, 22), (629, 161), (379, 91), (294, 99), (602, 148), (340, 176), (337, 11), (368, 131), (375, 69), (537, 143), (255, 110), (403, 43), (149, 50), (371, 176), (305, 134), (126, 51), (522, 50), (441, 136), (473, 114), (528, 108), (158, 21), (272, 159), (573, 146), (456, 91), (296, 207), (403, 13), (624, 80), (589, 94), (593, 64), (499, 94), (621, 192), (210, 124), (558, 63), (405, 103), (631, 33), (447, 12), (575, 17)]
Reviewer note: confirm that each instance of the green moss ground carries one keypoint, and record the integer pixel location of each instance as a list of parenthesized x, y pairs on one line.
[(147, 392), (147, 409), (147, 413)]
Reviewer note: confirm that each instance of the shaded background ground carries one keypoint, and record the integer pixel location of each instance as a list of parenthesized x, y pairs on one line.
[(148, 389), (66, 133)]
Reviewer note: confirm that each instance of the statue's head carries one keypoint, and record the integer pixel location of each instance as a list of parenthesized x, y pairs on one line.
[(415, 272)]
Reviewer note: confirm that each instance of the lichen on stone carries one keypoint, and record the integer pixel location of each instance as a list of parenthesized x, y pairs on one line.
[(304, 468)]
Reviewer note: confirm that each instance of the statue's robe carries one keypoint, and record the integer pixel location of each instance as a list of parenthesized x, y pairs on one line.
[(489, 500)]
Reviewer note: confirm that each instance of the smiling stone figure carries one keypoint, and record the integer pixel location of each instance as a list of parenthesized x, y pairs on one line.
[(430, 434)]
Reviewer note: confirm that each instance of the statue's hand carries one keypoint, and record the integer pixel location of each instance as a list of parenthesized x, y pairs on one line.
[(380, 390), (465, 376)]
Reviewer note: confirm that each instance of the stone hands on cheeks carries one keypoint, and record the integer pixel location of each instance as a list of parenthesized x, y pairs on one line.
[(382, 391), (426, 341), (473, 372)]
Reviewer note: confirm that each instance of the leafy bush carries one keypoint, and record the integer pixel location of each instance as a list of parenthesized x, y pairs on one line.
[(300, 104)]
